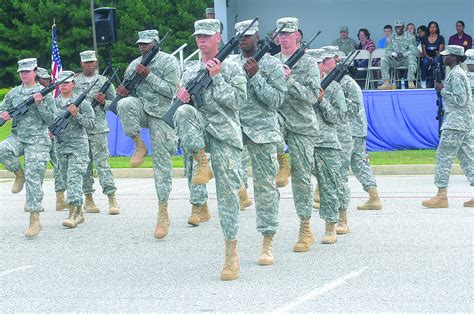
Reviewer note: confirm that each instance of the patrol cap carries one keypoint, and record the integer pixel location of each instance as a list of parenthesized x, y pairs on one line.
[(344, 29), (241, 26), (147, 36), (64, 74), (291, 24), (454, 50), (340, 54), (88, 55), (42, 73), (317, 54), (470, 56), (399, 23), (210, 11), (28, 64), (207, 27)]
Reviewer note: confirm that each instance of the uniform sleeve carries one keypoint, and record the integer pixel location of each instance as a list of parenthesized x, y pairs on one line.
[(7, 104), (457, 94), (389, 47), (86, 115), (165, 85), (109, 96), (270, 91), (47, 109), (232, 94), (308, 90), (339, 100), (328, 112), (354, 98)]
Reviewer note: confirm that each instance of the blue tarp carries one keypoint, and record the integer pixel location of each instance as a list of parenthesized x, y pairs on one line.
[(397, 119)]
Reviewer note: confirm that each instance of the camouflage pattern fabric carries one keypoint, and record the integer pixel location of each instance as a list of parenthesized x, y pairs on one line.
[(59, 184), (345, 45), (197, 192), (360, 164), (405, 44)]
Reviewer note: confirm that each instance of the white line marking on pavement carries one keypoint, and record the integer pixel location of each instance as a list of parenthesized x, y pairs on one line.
[(318, 291), (6, 272), (136, 187)]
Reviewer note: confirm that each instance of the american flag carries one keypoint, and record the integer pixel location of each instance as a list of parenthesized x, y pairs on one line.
[(55, 61)]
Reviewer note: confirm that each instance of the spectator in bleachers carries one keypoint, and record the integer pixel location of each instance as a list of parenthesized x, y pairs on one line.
[(422, 31), (432, 45), (411, 29), (365, 43), (461, 38), (387, 31), (344, 42)]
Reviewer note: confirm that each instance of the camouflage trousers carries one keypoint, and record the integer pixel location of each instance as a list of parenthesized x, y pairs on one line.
[(99, 154), (164, 142), (267, 196), (345, 192), (226, 165), (36, 158), (389, 62), (245, 162), (59, 184), (452, 144), (73, 160), (283, 134), (360, 164), (325, 164), (197, 192)]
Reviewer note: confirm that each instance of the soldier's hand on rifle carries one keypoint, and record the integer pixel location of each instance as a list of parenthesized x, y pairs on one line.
[(321, 94), (38, 98), (287, 71), (438, 86), (214, 67), (183, 95), (73, 110), (100, 98), (122, 91), (400, 55), (5, 116), (142, 70), (251, 67)]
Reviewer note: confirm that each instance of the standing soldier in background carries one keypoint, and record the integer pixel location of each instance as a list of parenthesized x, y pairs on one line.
[(266, 88), (29, 137), (216, 127), (151, 99), (98, 146), (344, 42)]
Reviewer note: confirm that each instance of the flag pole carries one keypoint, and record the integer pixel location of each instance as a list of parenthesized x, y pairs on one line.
[(93, 34)]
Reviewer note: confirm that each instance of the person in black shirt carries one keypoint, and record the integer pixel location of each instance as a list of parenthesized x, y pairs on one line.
[(432, 45)]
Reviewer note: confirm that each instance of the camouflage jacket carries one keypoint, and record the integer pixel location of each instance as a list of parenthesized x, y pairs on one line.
[(347, 45), (405, 44), (303, 91), (222, 100), (265, 92), (355, 106), (328, 118), (157, 90), (32, 127), (457, 101)]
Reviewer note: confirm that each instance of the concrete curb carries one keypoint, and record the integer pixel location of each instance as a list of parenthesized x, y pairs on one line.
[(179, 172)]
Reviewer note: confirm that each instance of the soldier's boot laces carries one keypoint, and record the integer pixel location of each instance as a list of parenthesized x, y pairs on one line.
[(330, 236), (79, 215), (90, 205), (139, 153), (162, 222), (373, 203), (385, 85), (204, 213), (61, 203), (231, 268), (266, 256), (316, 198), (195, 218), (469, 203), (114, 208), (244, 199), (70, 221), (19, 181), (284, 171), (203, 172), (440, 200), (35, 226), (342, 227), (305, 238)]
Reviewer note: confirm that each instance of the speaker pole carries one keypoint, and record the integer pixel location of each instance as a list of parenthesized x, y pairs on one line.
[(93, 34)]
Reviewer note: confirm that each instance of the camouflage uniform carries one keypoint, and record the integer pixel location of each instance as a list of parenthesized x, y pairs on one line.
[(359, 159), (265, 92), (197, 192), (59, 184), (346, 45), (144, 109), (29, 137), (245, 165)]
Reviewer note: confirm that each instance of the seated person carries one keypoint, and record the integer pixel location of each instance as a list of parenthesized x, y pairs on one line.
[(461, 38), (387, 30), (365, 44), (344, 42), (399, 52), (432, 45), (422, 31)]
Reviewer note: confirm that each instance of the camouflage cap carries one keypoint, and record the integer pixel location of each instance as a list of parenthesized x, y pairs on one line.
[(454, 50), (341, 54), (291, 24), (210, 11), (64, 74), (88, 55), (27, 64), (147, 36), (317, 54), (470, 56), (399, 23), (344, 29), (42, 73), (241, 26), (207, 27)]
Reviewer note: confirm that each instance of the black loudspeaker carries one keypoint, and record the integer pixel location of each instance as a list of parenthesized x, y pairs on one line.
[(105, 26)]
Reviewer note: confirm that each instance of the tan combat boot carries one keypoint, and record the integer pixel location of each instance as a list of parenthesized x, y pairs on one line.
[(70, 221), (373, 203), (469, 203), (440, 200), (162, 222), (60, 201), (244, 199), (316, 198), (90, 205), (411, 85), (202, 173), (284, 171), (385, 85), (35, 226), (79, 215), (342, 227), (266, 256), (330, 236), (19, 181), (204, 214), (139, 153), (114, 208), (231, 268), (305, 238), (195, 218)]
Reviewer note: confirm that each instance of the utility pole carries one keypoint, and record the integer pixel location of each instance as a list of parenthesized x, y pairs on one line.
[(93, 34)]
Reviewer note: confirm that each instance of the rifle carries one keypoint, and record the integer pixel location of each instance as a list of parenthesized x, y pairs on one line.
[(19, 111), (296, 56), (202, 80), (439, 101), (340, 70), (104, 89), (263, 48), (60, 123), (135, 79)]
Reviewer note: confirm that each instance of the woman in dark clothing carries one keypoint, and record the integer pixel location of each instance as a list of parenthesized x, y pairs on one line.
[(432, 45)]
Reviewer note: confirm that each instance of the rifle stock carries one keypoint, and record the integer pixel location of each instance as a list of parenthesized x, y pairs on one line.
[(439, 100)]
